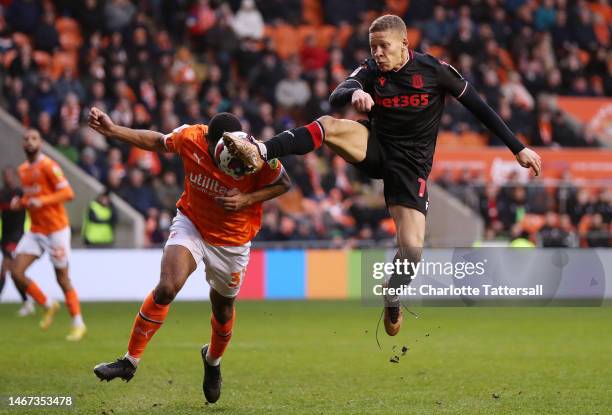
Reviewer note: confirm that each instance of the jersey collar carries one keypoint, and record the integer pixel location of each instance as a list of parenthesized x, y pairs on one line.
[(39, 158), (410, 58)]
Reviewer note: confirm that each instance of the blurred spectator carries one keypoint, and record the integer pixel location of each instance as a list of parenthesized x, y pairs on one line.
[(68, 150), (597, 234), (91, 15), (24, 16), (114, 162), (200, 20), (248, 21), (46, 37), (312, 56), (292, 91), (118, 14), (551, 235), (582, 206), (157, 226), (439, 29), (67, 83), (520, 238), (168, 190), (89, 163), (138, 193), (158, 64), (99, 222)]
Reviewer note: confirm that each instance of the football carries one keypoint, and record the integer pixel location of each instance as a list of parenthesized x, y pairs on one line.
[(229, 164)]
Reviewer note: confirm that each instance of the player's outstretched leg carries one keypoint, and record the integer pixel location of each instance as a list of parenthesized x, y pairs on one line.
[(78, 329), (410, 225), (346, 138), (122, 368), (177, 265), (20, 264), (148, 320), (27, 307), (221, 322)]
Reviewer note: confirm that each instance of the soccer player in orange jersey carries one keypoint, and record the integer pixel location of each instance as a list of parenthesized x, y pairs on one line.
[(216, 219), (45, 190)]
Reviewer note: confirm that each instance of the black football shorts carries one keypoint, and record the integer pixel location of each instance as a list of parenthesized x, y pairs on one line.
[(403, 184)]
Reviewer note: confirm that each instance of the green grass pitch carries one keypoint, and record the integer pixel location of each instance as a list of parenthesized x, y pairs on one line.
[(322, 358)]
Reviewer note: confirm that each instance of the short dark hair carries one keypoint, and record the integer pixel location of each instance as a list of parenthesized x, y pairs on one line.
[(388, 22), (221, 123)]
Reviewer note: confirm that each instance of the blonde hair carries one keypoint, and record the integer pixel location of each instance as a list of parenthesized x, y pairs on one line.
[(388, 22)]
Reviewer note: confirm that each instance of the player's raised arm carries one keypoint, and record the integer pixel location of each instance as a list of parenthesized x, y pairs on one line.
[(477, 106), (353, 90), (465, 93), (145, 139)]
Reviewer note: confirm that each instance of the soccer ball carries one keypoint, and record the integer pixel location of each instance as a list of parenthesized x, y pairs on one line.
[(229, 164)]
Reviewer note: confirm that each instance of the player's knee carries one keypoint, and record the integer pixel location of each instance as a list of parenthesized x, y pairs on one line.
[(223, 313), (330, 126), (412, 252), (17, 272), (165, 292), (64, 282)]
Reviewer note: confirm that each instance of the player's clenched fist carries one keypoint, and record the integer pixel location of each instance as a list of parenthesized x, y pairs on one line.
[(362, 101), (100, 121)]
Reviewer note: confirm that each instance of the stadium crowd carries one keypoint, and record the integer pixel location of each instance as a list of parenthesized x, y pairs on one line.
[(157, 64)]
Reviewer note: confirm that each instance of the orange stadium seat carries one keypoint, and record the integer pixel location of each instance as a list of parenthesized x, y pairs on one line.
[(398, 7), (447, 139), (471, 139), (532, 223), (326, 35), (436, 51), (414, 37), (343, 34), (285, 38), (61, 60)]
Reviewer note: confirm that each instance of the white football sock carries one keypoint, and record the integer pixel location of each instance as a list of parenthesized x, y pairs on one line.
[(77, 321), (212, 361), (132, 359)]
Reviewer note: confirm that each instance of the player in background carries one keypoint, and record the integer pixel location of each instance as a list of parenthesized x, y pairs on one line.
[(403, 94), (45, 190), (216, 219), (12, 231)]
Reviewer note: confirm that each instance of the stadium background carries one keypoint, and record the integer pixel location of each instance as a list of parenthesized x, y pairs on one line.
[(545, 66)]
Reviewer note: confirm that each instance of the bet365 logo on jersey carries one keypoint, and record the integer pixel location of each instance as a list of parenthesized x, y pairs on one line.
[(402, 101)]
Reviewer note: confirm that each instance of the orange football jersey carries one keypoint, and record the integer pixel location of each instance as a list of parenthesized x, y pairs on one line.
[(204, 181), (39, 179)]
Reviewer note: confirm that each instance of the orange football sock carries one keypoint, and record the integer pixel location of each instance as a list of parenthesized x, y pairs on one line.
[(220, 338), (33, 290), (72, 302), (147, 322)]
